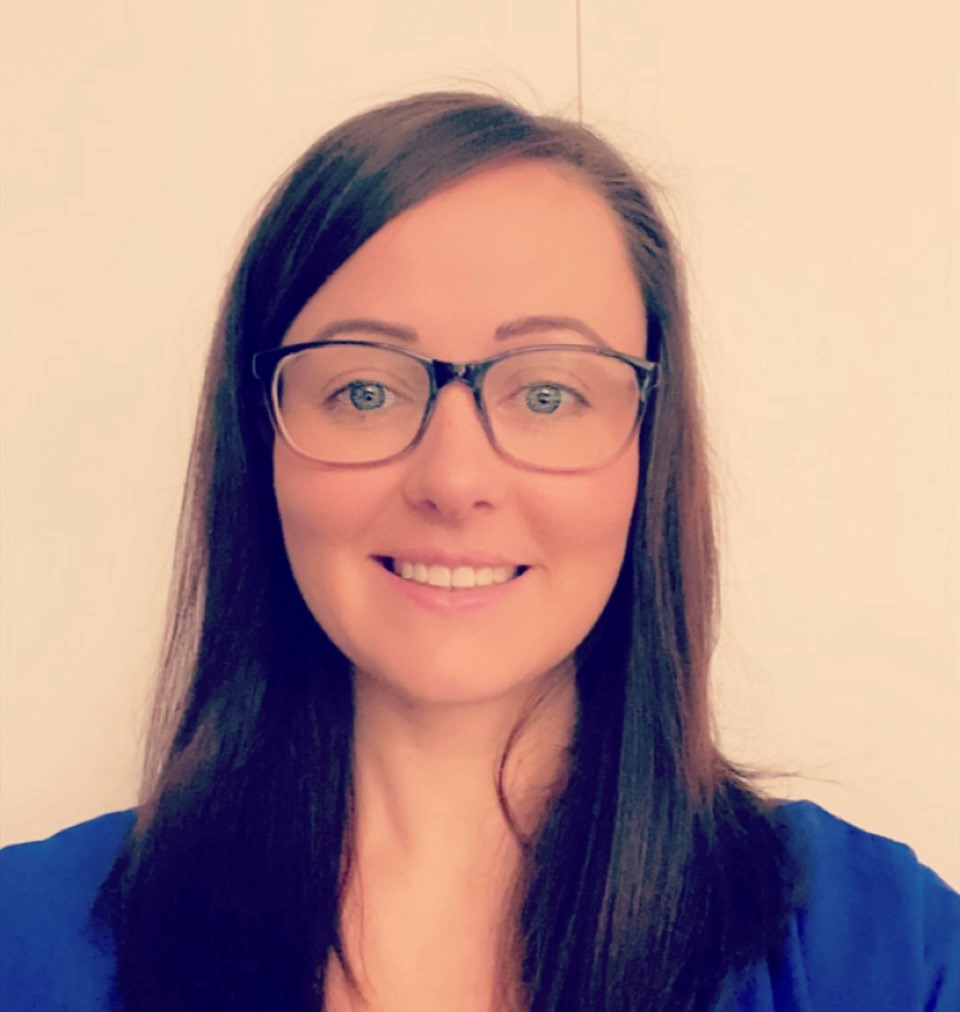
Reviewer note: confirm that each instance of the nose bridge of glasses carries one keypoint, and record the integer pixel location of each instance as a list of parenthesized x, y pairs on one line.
[(470, 374)]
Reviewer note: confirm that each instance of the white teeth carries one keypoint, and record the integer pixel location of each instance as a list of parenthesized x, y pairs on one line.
[(483, 577), (439, 576), (460, 577), (463, 576)]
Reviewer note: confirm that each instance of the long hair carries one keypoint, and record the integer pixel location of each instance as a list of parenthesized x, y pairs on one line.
[(656, 873)]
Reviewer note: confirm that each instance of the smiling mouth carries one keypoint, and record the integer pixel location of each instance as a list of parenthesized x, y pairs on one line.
[(451, 578)]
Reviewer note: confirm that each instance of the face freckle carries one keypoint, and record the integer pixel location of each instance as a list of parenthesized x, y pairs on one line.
[(504, 244)]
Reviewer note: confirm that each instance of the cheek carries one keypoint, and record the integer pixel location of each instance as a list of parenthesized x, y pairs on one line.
[(305, 514), (584, 525), (600, 511), (589, 524), (315, 523)]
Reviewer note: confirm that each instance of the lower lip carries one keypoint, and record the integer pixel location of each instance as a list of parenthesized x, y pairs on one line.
[(443, 601)]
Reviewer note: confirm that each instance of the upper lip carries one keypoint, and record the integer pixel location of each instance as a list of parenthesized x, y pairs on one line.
[(438, 557)]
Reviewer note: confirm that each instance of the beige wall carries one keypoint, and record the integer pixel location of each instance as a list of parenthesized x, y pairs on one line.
[(811, 156)]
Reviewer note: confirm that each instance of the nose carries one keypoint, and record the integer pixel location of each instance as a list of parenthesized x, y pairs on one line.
[(454, 469)]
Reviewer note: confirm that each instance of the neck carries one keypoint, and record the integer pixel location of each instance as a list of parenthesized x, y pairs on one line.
[(425, 773)]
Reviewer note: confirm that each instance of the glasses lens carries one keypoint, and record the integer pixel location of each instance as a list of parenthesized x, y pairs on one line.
[(350, 403), (562, 408)]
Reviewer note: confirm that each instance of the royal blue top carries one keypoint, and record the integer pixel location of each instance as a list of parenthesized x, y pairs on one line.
[(879, 932)]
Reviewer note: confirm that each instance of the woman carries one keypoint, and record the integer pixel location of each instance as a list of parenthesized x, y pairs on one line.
[(433, 728)]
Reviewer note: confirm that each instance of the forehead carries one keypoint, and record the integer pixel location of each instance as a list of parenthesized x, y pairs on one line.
[(521, 239)]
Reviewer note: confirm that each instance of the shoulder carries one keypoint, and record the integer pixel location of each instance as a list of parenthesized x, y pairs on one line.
[(873, 929), (50, 957), (871, 885)]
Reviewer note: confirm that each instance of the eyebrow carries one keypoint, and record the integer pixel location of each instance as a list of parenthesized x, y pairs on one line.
[(519, 327), (362, 326), (534, 324)]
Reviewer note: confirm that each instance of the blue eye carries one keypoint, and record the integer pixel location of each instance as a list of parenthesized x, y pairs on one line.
[(544, 399), (549, 398), (367, 396)]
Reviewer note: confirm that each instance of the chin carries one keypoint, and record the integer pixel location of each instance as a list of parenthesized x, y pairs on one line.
[(458, 683)]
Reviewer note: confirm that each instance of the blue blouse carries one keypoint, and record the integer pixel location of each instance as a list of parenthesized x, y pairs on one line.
[(879, 933)]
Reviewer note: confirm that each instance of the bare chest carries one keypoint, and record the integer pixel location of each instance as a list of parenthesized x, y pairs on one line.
[(421, 982), (419, 954)]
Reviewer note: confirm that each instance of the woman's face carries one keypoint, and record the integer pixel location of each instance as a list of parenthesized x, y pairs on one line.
[(508, 243)]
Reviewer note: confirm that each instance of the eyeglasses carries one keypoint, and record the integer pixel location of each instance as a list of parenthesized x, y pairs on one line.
[(549, 407)]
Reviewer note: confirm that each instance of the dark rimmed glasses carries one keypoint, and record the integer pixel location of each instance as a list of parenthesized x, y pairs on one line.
[(554, 407)]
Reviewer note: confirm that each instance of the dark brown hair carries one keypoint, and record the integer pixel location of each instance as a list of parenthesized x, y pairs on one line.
[(657, 871)]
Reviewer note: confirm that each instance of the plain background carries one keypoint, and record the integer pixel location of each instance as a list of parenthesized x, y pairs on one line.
[(811, 156)]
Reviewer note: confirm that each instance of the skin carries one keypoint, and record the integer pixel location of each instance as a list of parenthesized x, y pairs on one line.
[(438, 694)]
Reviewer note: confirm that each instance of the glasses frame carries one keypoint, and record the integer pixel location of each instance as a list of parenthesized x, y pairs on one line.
[(265, 365)]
